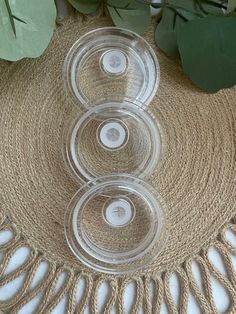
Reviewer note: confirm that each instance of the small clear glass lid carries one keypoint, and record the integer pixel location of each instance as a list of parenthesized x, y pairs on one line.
[(112, 137), (116, 224), (111, 61)]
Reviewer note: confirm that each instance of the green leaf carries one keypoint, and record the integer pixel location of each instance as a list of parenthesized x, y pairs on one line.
[(85, 6), (34, 22), (208, 52), (130, 14), (231, 6), (166, 32)]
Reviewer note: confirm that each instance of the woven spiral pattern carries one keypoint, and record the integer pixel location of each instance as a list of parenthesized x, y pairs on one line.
[(196, 176), (116, 239)]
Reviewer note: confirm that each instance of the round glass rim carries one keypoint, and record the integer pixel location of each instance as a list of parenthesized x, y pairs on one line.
[(127, 106), (158, 211), (82, 101)]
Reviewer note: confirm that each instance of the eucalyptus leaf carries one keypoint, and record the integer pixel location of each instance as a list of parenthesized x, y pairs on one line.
[(166, 32), (175, 15), (34, 22), (130, 14), (85, 6), (208, 51)]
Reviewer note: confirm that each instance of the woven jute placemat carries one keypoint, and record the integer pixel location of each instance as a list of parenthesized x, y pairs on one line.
[(196, 178)]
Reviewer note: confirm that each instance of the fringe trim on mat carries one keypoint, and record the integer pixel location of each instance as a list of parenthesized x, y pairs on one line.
[(152, 292)]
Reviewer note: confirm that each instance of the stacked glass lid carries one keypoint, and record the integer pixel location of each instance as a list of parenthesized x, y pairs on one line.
[(115, 223)]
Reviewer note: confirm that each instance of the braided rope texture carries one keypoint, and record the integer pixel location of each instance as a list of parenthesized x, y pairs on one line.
[(196, 177)]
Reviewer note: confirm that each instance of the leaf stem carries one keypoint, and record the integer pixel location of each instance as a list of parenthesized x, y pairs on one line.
[(174, 20), (117, 12), (18, 19), (10, 17)]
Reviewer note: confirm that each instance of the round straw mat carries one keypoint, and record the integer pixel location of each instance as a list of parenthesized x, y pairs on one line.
[(196, 178)]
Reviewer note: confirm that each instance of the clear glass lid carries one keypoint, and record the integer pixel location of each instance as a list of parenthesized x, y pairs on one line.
[(112, 137), (116, 224), (111, 61)]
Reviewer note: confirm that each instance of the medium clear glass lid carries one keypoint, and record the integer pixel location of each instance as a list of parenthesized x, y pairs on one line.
[(116, 224), (112, 137), (111, 61)]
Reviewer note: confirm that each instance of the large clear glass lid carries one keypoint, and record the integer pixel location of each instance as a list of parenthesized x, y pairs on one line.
[(116, 225), (112, 137), (111, 61)]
